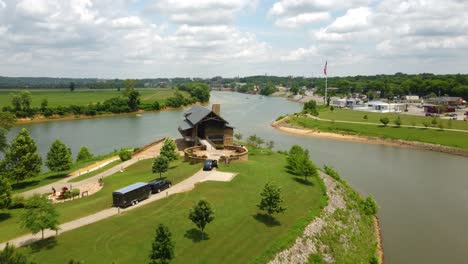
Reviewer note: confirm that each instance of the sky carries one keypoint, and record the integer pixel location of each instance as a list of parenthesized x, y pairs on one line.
[(206, 38)]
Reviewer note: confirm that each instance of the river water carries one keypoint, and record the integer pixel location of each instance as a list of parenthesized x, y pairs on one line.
[(423, 195)]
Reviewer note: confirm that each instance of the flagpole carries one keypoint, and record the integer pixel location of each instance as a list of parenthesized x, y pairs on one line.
[(326, 87)]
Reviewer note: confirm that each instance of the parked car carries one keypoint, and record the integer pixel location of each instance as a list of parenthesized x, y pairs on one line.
[(210, 164), (159, 185), (131, 194)]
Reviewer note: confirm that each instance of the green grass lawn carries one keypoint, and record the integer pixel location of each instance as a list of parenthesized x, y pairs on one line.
[(141, 171), (442, 137), (409, 120), (237, 234), (95, 172), (85, 96)]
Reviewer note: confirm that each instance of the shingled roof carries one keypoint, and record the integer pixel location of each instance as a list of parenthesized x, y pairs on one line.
[(194, 115)]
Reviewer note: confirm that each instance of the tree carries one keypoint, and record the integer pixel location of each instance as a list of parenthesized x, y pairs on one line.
[(369, 206), (5, 192), (21, 160), (169, 150), (384, 121), (270, 144), (271, 200), (201, 215), (255, 141), (9, 255), (40, 214), (59, 157), (311, 108), (7, 120), (398, 121), (125, 154), (72, 86), (84, 154), (44, 104), (160, 165), (238, 136), (434, 121), (299, 162), (162, 250), (26, 100), (133, 100)]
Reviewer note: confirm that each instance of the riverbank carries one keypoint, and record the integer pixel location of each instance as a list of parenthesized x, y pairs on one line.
[(284, 126), (43, 119)]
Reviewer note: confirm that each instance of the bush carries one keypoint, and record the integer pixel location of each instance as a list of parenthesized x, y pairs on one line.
[(441, 126), (17, 201), (66, 195), (425, 124), (136, 149), (84, 154), (397, 121), (125, 154), (365, 117), (279, 117), (374, 260), (369, 206), (330, 171), (434, 121), (332, 108), (75, 192), (384, 121)]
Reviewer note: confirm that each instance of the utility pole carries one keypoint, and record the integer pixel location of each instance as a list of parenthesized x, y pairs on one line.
[(438, 108)]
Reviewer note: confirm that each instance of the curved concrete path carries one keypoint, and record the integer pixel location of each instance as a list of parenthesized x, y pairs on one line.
[(150, 152), (184, 186)]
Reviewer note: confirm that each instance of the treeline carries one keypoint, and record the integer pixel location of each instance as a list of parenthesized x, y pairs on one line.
[(128, 102)]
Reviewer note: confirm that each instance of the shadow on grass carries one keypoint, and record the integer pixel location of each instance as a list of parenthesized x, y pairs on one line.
[(196, 235), (303, 181), (22, 185), (48, 243), (4, 216), (267, 219), (56, 176)]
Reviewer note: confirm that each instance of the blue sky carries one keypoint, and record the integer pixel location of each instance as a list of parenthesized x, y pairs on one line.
[(205, 38)]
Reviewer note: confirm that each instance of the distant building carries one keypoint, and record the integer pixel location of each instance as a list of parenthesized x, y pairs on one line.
[(202, 123), (446, 100), (381, 107), (349, 103), (411, 98)]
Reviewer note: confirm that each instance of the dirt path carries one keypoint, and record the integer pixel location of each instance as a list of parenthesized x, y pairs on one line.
[(184, 186), (150, 151)]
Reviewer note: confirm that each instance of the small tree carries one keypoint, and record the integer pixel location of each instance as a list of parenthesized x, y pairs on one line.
[(384, 121), (441, 126), (332, 108), (255, 141), (21, 160), (84, 154), (59, 157), (271, 200), (201, 215), (160, 165), (299, 162), (72, 86), (5, 192), (426, 124), (369, 206), (270, 144), (9, 255), (365, 117), (397, 121), (310, 107), (44, 104), (162, 250), (238, 136), (40, 214), (434, 121), (169, 150), (125, 154)]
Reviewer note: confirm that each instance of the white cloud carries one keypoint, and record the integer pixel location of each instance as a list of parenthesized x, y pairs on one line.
[(301, 54), (302, 19), (127, 22)]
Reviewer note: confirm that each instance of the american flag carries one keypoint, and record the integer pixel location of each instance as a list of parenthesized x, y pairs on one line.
[(325, 68)]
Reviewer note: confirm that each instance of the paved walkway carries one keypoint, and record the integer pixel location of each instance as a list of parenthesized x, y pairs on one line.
[(184, 186), (150, 152), (378, 124)]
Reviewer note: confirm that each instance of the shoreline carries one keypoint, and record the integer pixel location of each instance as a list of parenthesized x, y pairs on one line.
[(42, 119), (368, 140), (378, 234)]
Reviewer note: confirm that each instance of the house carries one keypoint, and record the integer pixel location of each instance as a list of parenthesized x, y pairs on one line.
[(349, 103), (381, 107), (411, 98), (202, 123)]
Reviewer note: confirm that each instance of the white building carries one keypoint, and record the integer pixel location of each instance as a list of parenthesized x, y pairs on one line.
[(381, 107)]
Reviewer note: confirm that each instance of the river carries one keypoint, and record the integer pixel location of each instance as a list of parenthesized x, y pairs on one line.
[(423, 195)]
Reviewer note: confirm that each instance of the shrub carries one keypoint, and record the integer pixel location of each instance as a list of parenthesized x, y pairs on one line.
[(441, 126), (125, 154), (397, 121), (66, 195), (369, 206), (384, 120), (425, 124), (434, 121), (413, 123), (365, 117), (136, 149), (84, 154), (332, 108), (374, 260), (280, 117), (17, 201), (330, 171), (75, 192)]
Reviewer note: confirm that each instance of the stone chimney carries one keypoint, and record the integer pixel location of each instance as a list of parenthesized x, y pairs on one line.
[(216, 108)]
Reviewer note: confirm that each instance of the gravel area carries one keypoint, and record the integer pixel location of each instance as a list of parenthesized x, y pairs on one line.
[(306, 244)]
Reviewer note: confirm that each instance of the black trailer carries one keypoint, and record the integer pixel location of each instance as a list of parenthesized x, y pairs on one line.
[(131, 194)]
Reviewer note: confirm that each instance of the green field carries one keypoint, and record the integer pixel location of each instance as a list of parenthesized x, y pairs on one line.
[(95, 172), (409, 120), (141, 171), (238, 233), (434, 136), (85, 96)]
